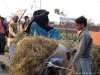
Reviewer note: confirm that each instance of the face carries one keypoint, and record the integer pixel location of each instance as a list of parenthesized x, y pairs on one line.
[(79, 26), (15, 19), (2, 20), (25, 19)]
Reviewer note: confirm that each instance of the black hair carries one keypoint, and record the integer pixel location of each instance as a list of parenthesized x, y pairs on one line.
[(2, 18), (81, 20), (26, 17)]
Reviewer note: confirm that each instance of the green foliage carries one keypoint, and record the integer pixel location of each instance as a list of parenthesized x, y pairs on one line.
[(98, 24), (62, 35), (96, 59), (57, 11), (90, 22), (69, 36), (51, 22), (69, 23)]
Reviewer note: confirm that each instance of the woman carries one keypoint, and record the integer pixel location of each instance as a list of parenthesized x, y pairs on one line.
[(39, 25)]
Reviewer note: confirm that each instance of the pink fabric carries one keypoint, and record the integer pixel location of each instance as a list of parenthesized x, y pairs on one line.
[(1, 28)]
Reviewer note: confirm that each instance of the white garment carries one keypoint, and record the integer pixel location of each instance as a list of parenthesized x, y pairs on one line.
[(18, 27), (11, 49), (10, 40)]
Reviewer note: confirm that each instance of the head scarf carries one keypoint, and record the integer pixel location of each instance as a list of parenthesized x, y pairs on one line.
[(41, 21)]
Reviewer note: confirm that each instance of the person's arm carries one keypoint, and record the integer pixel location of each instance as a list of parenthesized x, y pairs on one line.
[(11, 31), (73, 50), (80, 49)]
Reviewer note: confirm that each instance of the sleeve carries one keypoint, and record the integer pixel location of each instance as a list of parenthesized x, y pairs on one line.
[(11, 31), (73, 50), (80, 49)]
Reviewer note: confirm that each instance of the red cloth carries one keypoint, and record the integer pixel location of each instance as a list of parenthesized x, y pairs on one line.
[(1, 28)]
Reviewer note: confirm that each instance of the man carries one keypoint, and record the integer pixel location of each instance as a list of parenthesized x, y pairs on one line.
[(25, 24), (13, 29), (83, 48), (3, 27)]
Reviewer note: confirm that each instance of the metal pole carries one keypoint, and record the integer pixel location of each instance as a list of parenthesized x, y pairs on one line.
[(40, 4), (35, 4), (6, 6), (31, 8)]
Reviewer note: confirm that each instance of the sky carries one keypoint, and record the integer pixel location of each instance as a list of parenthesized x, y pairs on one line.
[(72, 8)]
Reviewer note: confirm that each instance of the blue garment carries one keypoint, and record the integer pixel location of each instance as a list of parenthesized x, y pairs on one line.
[(36, 30), (84, 66)]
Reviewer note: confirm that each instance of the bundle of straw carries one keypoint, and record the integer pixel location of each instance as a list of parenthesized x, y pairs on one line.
[(30, 53)]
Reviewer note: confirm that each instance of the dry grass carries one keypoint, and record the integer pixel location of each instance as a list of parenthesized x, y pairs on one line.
[(96, 59), (29, 53)]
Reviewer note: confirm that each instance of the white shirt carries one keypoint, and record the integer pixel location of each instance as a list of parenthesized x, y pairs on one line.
[(9, 40)]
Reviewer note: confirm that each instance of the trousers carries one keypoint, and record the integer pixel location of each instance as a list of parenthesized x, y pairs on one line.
[(84, 66), (2, 44), (11, 49)]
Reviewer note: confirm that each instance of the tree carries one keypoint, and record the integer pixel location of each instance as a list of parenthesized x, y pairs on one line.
[(90, 22), (98, 24), (62, 13), (57, 11)]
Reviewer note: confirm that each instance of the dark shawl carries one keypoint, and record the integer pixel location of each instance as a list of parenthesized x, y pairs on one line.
[(41, 17)]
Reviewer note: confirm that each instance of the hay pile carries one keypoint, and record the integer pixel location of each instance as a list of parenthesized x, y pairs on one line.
[(20, 36), (32, 51), (96, 60), (29, 53)]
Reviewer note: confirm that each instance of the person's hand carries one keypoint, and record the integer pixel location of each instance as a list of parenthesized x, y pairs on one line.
[(68, 55), (5, 37), (74, 67)]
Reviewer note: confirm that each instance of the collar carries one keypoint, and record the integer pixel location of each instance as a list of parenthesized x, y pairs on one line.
[(79, 32), (13, 22)]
